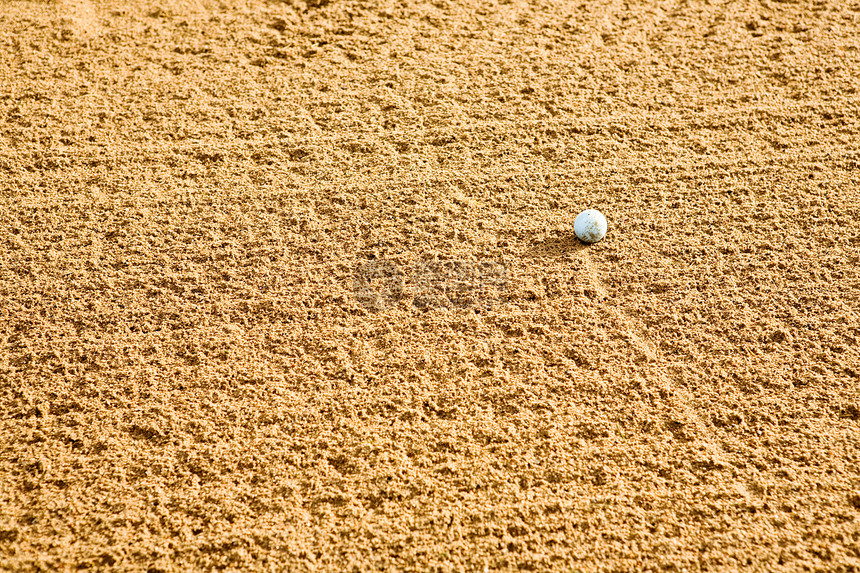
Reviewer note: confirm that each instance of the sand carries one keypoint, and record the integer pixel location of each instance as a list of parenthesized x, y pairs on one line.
[(293, 286)]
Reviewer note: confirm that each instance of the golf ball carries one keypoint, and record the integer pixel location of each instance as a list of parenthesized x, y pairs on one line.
[(590, 226)]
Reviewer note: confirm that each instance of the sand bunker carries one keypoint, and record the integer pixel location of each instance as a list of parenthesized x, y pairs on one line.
[(293, 286)]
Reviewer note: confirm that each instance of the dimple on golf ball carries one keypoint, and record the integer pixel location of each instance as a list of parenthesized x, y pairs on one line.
[(590, 226)]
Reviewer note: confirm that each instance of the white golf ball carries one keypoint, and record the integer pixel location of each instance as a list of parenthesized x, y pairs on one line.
[(590, 226)]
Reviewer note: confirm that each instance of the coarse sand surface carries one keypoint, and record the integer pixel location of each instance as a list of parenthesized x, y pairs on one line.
[(293, 285)]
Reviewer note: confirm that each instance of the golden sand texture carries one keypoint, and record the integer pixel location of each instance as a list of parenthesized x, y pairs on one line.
[(293, 286)]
